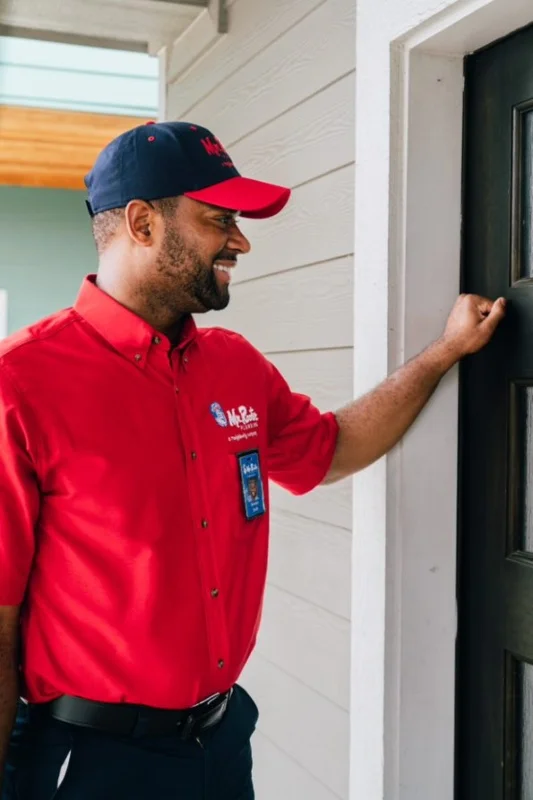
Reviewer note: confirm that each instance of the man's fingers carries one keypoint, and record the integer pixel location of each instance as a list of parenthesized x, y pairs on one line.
[(497, 313), (473, 321), (484, 305)]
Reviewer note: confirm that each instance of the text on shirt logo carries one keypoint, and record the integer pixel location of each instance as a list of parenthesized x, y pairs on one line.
[(244, 418)]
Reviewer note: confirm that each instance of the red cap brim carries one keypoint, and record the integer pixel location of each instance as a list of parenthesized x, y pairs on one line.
[(253, 199)]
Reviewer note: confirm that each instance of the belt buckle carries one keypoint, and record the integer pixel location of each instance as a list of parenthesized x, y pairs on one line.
[(189, 723)]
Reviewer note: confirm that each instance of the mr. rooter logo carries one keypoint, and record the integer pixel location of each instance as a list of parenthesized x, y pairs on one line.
[(242, 417)]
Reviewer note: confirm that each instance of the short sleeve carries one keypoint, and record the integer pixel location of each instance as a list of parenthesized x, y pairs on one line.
[(302, 440), (19, 496)]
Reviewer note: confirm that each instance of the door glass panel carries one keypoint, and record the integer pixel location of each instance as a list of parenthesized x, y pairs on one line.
[(526, 233), (524, 435), (525, 730)]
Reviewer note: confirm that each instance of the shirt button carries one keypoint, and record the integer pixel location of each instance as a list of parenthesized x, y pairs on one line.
[(214, 592), (156, 340), (221, 663), (176, 390), (205, 523), (138, 356), (185, 359), (194, 456)]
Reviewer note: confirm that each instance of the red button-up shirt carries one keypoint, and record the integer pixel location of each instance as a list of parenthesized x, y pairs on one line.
[(123, 530)]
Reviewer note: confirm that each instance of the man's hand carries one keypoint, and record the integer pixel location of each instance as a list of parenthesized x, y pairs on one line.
[(372, 425), (472, 323)]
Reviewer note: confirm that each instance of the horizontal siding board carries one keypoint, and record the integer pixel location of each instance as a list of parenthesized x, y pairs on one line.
[(317, 225), (331, 505), (312, 308), (311, 560), (191, 46), (253, 26), (327, 377), (324, 375), (311, 139), (299, 63), (307, 642), (277, 775), (307, 726)]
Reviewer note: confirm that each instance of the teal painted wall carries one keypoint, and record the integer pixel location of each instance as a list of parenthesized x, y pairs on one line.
[(46, 248), (54, 75)]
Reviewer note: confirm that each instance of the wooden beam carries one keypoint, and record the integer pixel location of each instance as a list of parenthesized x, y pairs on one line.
[(53, 149)]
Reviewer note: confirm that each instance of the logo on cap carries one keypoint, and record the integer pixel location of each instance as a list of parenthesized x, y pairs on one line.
[(213, 147)]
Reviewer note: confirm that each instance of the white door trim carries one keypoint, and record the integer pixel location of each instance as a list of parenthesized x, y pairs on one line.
[(409, 95)]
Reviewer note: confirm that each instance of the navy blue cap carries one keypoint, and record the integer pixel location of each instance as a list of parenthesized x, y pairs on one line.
[(167, 159)]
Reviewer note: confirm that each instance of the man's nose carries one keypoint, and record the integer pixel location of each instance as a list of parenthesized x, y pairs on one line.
[(238, 241)]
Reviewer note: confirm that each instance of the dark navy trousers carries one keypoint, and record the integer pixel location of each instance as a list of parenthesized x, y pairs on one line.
[(217, 766)]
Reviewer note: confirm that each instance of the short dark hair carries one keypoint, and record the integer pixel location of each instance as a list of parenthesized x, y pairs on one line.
[(107, 223), (105, 226)]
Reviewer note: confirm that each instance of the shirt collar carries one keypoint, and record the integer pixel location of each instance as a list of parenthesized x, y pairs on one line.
[(125, 331)]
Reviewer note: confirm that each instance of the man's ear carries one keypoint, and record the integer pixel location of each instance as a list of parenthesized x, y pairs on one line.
[(140, 217)]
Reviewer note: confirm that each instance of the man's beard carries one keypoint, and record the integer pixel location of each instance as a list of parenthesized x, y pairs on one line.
[(185, 283)]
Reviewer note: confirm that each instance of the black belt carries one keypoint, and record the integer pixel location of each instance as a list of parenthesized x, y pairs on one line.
[(123, 719)]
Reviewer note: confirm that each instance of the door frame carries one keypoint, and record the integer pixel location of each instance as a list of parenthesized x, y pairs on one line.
[(409, 138)]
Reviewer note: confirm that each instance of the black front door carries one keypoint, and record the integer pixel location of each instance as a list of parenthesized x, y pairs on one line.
[(495, 701)]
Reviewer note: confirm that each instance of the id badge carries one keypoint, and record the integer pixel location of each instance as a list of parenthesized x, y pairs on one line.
[(252, 484)]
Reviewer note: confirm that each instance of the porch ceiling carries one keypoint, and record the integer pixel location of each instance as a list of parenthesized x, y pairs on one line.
[(145, 25)]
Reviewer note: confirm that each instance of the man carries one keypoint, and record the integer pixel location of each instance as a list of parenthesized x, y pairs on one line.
[(137, 451)]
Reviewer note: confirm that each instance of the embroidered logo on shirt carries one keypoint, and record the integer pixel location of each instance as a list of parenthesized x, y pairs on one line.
[(243, 417), (218, 412)]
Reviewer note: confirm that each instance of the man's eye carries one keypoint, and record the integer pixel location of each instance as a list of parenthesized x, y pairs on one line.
[(227, 220)]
